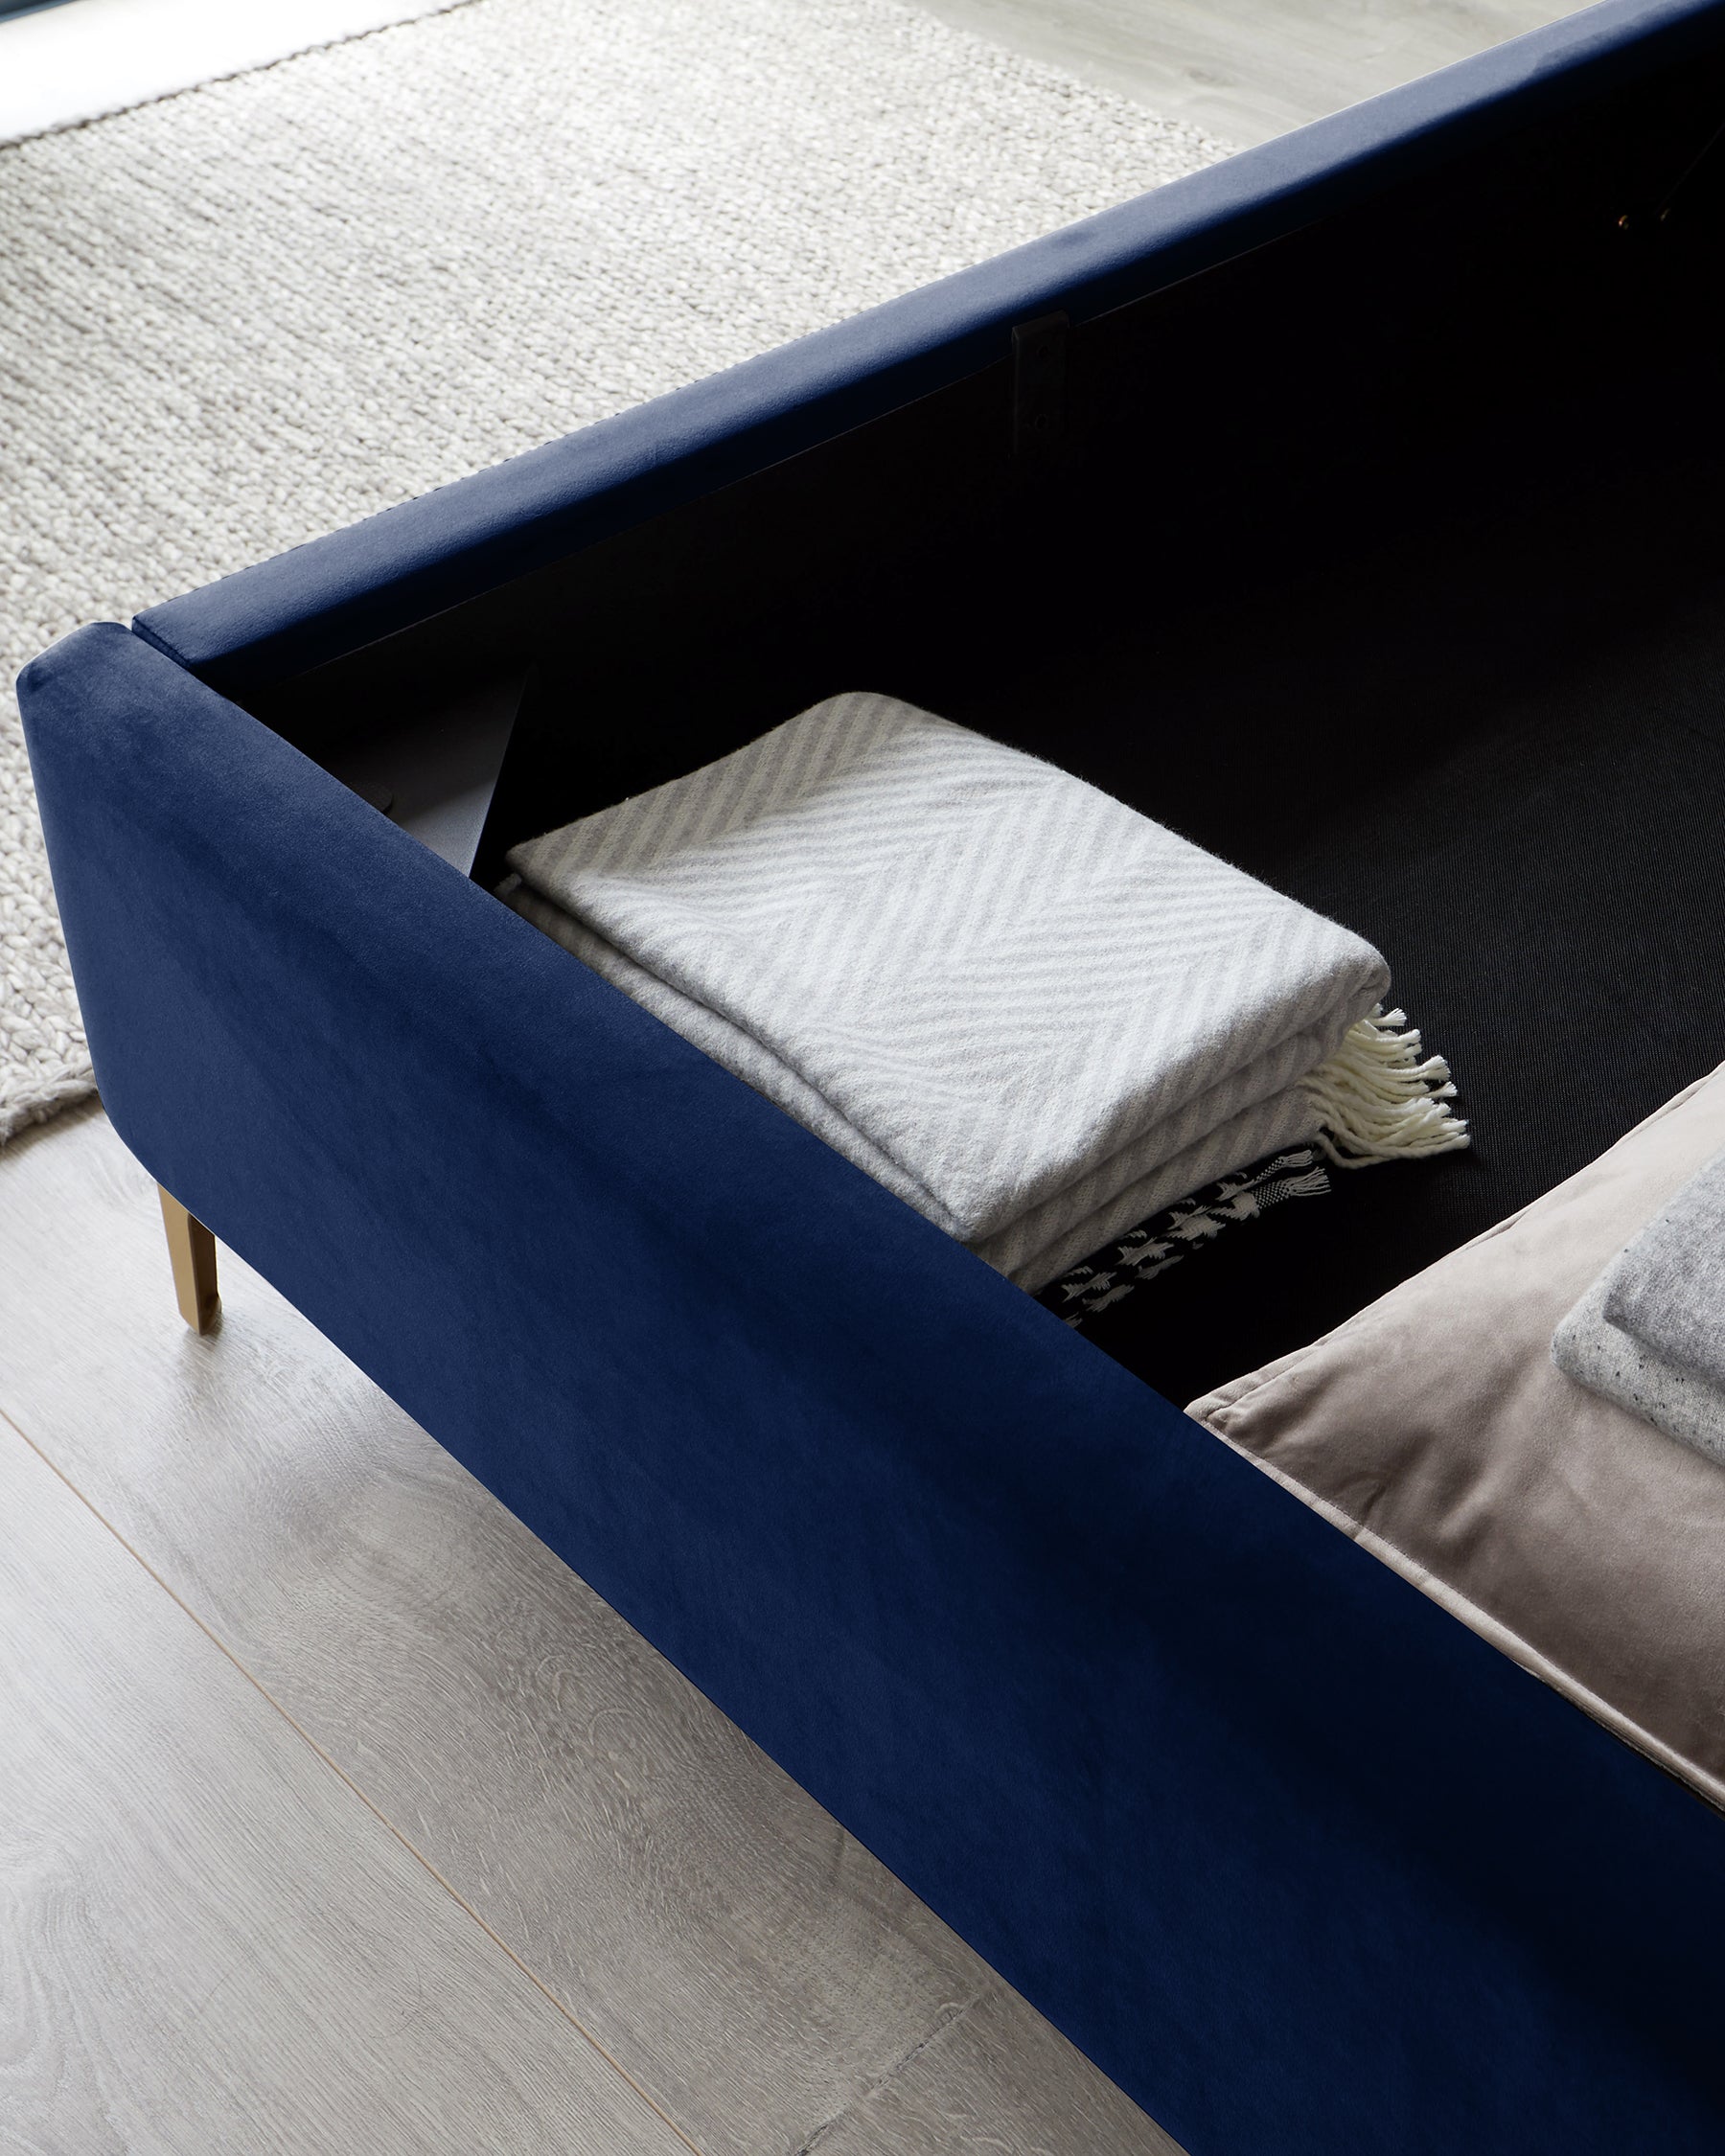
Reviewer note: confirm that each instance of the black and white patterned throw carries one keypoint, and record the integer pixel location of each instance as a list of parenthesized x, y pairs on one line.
[(1111, 1273)]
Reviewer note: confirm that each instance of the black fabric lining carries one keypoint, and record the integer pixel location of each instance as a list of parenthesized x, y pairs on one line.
[(1501, 756)]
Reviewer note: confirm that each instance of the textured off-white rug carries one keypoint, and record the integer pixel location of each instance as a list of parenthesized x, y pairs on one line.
[(63, 65), (260, 310)]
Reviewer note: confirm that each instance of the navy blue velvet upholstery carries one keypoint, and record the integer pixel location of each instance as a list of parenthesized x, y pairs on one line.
[(1298, 1860), (338, 594)]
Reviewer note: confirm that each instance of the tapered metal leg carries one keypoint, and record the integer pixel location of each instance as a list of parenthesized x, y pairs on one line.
[(193, 1249)]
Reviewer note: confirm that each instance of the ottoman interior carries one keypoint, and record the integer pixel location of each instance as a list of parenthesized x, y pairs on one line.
[(1382, 561), (1497, 751)]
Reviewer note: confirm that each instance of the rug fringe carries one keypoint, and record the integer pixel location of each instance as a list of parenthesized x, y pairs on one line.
[(1379, 1099)]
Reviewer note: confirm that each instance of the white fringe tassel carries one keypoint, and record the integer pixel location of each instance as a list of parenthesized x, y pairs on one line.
[(1379, 1101)]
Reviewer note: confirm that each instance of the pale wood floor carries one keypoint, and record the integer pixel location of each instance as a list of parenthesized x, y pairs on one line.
[(336, 1815), (1248, 69)]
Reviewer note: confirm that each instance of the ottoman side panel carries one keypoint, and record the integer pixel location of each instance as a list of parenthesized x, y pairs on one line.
[(1298, 1860)]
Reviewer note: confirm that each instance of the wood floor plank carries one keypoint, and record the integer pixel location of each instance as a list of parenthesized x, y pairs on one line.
[(208, 1944), (735, 1950), (997, 2077), (1248, 69)]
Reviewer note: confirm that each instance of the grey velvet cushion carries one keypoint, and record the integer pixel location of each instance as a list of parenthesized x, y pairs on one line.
[(1435, 1428)]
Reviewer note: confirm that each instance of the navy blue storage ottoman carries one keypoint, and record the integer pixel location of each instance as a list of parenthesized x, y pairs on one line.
[(1267, 502)]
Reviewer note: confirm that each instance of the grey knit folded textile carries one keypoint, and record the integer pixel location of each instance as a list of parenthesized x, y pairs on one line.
[(1588, 1347), (1031, 1013), (1668, 1290)]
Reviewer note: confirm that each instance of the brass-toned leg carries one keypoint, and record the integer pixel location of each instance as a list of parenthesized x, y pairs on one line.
[(193, 1249)]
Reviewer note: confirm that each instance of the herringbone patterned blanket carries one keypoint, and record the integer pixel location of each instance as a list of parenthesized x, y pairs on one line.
[(1030, 1010)]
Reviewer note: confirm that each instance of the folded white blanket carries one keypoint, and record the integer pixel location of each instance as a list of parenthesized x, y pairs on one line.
[(1033, 1014)]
